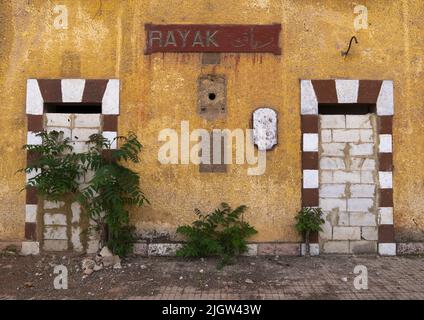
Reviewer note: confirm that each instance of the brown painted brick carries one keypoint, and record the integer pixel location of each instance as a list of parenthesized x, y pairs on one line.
[(310, 197), (30, 231), (31, 195), (369, 90), (35, 123), (266, 249), (386, 198), (314, 237), (110, 123), (385, 162), (287, 249), (325, 91), (385, 124), (386, 233), (310, 160), (309, 124), (32, 156)]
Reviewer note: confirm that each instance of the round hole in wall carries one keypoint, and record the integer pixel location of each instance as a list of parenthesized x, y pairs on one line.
[(212, 96)]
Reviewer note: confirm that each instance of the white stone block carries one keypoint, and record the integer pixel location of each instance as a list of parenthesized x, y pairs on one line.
[(65, 133), (385, 105), (310, 179), (366, 135), (367, 177), (362, 190), (53, 204), (33, 139), (62, 120), (326, 176), (310, 142), (87, 120), (346, 135), (361, 149), (163, 249), (332, 190), (32, 174), (83, 134), (30, 248), (110, 103), (333, 149), (363, 219), (347, 91), (326, 136), (343, 219), (333, 121), (252, 250), (80, 147), (358, 121), (344, 177), (111, 137), (336, 247), (55, 219), (265, 128), (386, 179), (387, 249), (370, 233), (332, 163), (313, 249), (55, 245), (55, 233), (76, 212), (34, 99), (30, 213), (329, 204), (385, 215), (362, 164), (346, 233), (308, 101), (360, 204), (385, 145), (363, 247), (72, 90), (327, 231), (76, 239)]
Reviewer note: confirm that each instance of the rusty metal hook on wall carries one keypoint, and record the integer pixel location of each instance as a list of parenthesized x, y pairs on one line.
[(345, 53)]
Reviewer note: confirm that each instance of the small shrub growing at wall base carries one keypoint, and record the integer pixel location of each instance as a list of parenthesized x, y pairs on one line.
[(220, 233), (309, 220)]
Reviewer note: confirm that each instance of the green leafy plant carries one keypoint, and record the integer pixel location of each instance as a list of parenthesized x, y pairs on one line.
[(112, 190), (221, 232), (55, 168), (309, 220)]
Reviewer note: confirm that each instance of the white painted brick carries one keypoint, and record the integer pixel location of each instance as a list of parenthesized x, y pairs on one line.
[(336, 247), (385, 99), (385, 145), (110, 102), (55, 233), (310, 142), (87, 120), (344, 177), (34, 99), (332, 163), (66, 132), (310, 179), (308, 101), (328, 204), (362, 190), (76, 239), (83, 134), (358, 121), (347, 91), (326, 136), (367, 177), (111, 137), (79, 147), (30, 248), (313, 249), (327, 231), (370, 233), (163, 249), (62, 120), (55, 245), (333, 149), (326, 176), (32, 174), (386, 180), (361, 149), (72, 90), (32, 138), (333, 121), (360, 204), (342, 135), (55, 219), (53, 204), (363, 219), (30, 213), (346, 233), (332, 190), (76, 212), (252, 250), (362, 164), (343, 219), (387, 249), (385, 215), (366, 135)]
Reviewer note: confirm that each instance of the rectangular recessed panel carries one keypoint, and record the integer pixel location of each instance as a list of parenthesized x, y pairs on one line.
[(346, 108)]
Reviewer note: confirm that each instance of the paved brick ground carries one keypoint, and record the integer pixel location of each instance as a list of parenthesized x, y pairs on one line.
[(324, 277)]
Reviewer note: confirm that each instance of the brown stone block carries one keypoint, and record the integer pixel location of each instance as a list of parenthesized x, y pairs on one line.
[(385, 124), (310, 161), (369, 90), (386, 198), (385, 162), (51, 90), (31, 195), (287, 249), (386, 233), (94, 91), (310, 197), (30, 231), (309, 124), (325, 91), (110, 123), (35, 123)]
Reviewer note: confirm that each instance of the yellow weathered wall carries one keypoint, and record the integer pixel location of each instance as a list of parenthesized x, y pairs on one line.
[(159, 91)]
